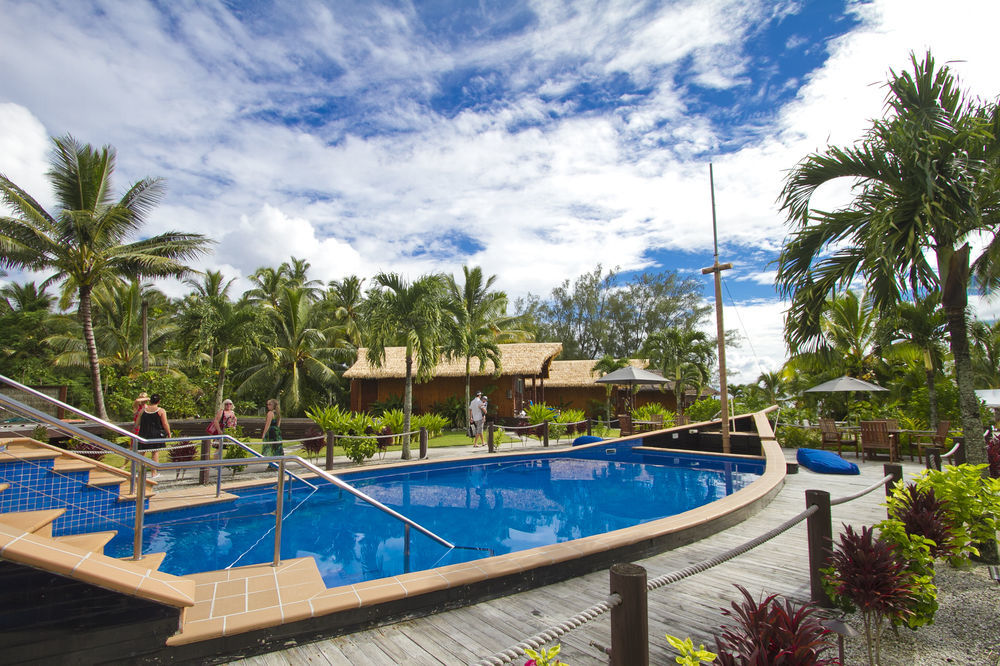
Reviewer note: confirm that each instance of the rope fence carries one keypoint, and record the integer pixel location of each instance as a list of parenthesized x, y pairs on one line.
[(553, 632)]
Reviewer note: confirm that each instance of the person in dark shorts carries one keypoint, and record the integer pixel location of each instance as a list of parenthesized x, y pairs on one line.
[(153, 424)]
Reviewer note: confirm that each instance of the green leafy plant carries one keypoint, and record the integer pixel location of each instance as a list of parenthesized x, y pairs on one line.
[(687, 654), (359, 449), (703, 410), (434, 423), (971, 501), (544, 657), (572, 418), (314, 442), (772, 631), (40, 433), (795, 437), (391, 402), (922, 513), (393, 420), (235, 451), (329, 418), (869, 575), (453, 409)]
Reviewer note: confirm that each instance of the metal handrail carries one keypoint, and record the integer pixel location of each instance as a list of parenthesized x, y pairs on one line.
[(144, 462)]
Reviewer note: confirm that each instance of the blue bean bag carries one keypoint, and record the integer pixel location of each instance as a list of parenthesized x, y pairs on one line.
[(825, 462), (586, 439)]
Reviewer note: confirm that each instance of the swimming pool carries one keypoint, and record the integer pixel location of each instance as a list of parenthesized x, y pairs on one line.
[(486, 508)]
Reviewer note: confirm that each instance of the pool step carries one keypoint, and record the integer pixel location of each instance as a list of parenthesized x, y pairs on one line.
[(35, 522), (92, 541), (151, 561)]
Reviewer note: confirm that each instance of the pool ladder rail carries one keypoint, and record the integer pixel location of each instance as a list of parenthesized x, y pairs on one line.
[(141, 464)]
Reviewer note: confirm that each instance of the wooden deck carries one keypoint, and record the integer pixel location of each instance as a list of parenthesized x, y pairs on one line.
[(687, 608)]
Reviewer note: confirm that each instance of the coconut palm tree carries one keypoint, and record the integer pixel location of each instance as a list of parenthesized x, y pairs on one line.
[(924, 185), (212, 324), (412, 315), (345, 299), (478, 323), (684, 357), (918, 330), (85, 241), (301, 350), (603, 366)]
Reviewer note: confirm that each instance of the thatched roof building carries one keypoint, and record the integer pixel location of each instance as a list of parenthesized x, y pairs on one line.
[(524, 370)]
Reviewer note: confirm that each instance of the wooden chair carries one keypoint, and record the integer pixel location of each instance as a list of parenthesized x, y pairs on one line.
[(655, 422), (875, 437), (625, 423), (831, 436), (938, 439)]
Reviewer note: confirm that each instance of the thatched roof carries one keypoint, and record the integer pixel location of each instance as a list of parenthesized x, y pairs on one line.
[(580, 373), (522, 359)]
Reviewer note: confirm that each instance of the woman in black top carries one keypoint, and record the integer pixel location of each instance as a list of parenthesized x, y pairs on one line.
[(153, 424)]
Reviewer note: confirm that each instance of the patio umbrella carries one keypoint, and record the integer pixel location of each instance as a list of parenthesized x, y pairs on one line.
[(631, 376), (844, 383)]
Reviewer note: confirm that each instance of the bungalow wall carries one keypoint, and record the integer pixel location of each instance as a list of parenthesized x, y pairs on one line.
[(503, 392), (581, 397)]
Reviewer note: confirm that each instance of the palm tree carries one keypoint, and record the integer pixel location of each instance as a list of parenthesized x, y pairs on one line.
[(25, 297), (684, 357), (478, 323), (986, 354), (216, 326), (772, 385), (300, 351), (410, 315), (924, 183), (851, 335), (85, 242), (604, 365), (918, 328), (345, 299)]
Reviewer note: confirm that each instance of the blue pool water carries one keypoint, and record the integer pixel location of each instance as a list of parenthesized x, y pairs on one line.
[(487, 508)]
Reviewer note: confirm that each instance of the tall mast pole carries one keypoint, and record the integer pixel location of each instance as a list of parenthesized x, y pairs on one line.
[(716, 268)]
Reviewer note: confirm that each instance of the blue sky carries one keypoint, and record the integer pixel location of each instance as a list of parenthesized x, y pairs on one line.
[(535, 139)]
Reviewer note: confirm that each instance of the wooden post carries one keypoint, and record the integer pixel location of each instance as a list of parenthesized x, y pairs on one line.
[(545, 433), (819, 527), (959, 458), (896, 471), (934, 458), (331, 441), (423, 445), (489, 438), (203, 472), (629, 619), (590, 430)]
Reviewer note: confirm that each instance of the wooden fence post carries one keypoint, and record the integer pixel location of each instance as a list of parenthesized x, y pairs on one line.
[(545, 433), (423, 442), (819, 527), (934, 458), (489, 438), (959, 458), (629, 619), (590, 430), (331, 441)]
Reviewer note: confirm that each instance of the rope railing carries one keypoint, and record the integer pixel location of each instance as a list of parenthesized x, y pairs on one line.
[(555, 631), (551, 633), (878, 484)]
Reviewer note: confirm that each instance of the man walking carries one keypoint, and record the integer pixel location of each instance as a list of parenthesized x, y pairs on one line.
[(477, 418)]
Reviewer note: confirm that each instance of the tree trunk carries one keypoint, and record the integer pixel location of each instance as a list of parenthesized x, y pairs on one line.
[(407, 406), (220, 385), (932, 398), (88, 338), (468, 391), (145, 335), (972, 425)]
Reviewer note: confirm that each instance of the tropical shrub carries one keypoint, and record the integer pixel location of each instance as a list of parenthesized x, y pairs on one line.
[(867, 574), (687, 654), (434, 423), (356, 447), (40, 433), (179, 396), (183, 452), (392, 419), (453, 409), (235, 451), (649, 411), (391, 402), (923, 514), (772, 631), (314, 442), (329, 418), (795, 437), (703, 410), (972, 502), (86, 449), (992, 453), (572, 419), (544, 657)]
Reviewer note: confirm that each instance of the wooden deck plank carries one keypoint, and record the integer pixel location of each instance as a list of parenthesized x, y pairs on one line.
[(690, 607)]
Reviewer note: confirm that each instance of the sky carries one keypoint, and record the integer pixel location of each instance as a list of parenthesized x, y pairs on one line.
[(536, 139)]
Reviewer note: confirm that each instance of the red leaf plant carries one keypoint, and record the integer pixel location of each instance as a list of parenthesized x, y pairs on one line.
[(867, 574), (923, 514), (772, 632)]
